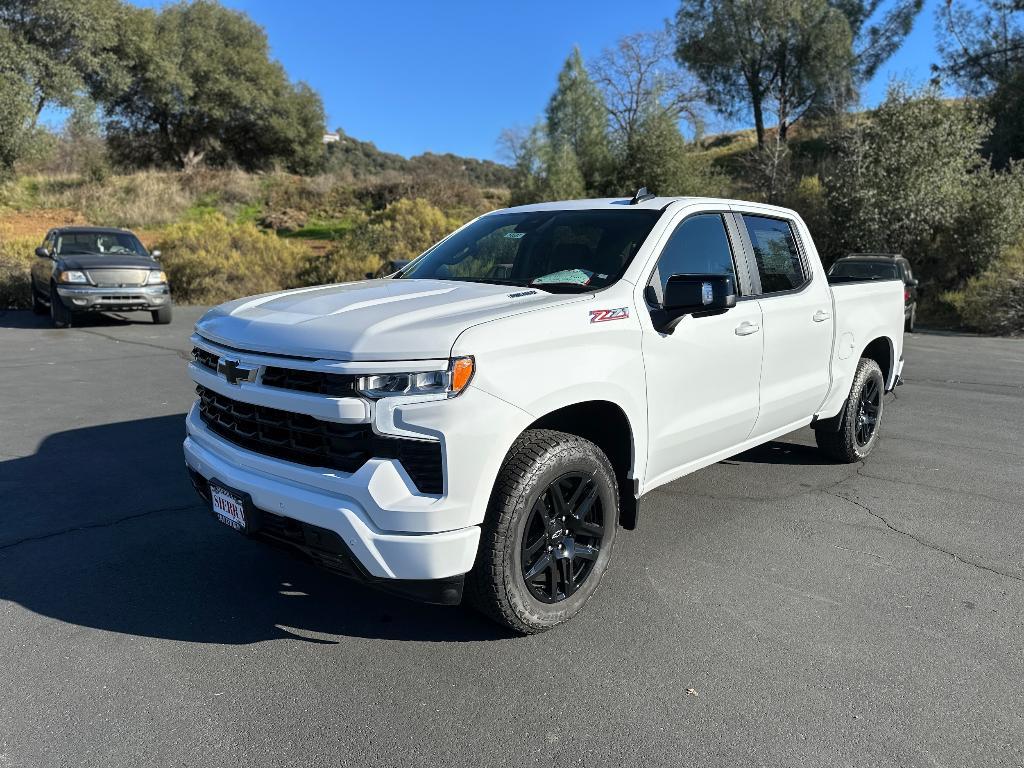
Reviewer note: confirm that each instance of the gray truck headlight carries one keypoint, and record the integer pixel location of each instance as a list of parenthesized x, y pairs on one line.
[(449, 382), (72, 276)]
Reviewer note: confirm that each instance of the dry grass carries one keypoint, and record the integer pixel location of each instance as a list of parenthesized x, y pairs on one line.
[(16, 256)]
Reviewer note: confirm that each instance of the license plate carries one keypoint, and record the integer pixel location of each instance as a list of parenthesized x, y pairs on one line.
[(229, 508)]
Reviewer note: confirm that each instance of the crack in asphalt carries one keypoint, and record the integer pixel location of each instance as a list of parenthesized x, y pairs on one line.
[(969, 383), (955, 555), (186, 356), (108, 524), (85, 361)]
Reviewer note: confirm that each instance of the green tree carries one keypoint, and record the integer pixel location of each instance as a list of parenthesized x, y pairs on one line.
[(659, 158), (983, 50), (16, 114), (910, 178), (58, 48), (51, 52), (787, 57), (577, 127), (202, 88)]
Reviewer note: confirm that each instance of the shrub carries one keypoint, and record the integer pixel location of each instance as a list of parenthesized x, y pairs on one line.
[(284, 220), (402, 231), (993, 302), (211, 260), (16, 257)]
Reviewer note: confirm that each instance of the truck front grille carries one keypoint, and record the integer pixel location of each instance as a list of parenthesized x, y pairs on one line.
[(317, 382), (303, 439), (118, 277), (204, 358), (295, 379)]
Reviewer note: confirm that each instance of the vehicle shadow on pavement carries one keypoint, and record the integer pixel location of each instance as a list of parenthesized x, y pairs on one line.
[(29, 320), (779, 452), (101, 528)]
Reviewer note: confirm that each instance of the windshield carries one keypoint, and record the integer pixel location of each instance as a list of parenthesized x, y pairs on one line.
[(864, 270), (564, 251), (120, 243)]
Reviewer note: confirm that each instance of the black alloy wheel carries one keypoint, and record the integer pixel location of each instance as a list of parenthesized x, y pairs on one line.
[(562, 538), (869, 406)]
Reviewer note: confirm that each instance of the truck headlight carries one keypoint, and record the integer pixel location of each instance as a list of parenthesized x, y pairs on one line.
[(156, 277), (449, 382), (72, 276)]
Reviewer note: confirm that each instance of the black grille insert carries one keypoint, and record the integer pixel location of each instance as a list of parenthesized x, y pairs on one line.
[(307, 440), (204, 358), (316, 382)]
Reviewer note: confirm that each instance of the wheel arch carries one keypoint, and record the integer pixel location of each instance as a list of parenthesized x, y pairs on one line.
[(882, 350), (605, 424)]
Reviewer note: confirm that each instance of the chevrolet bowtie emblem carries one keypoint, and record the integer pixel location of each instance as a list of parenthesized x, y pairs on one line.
[(234, 373)]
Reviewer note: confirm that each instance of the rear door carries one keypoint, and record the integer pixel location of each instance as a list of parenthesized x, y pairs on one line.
[(796, 306), (702, 378)]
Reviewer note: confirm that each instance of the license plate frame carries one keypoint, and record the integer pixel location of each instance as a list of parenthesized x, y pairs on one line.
[(229, 507)]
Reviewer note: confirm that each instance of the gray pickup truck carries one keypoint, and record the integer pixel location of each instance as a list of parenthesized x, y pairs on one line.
[(95, 269)]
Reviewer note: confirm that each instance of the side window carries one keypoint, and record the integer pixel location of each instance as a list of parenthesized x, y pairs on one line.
[(778, 260), (698, 246)]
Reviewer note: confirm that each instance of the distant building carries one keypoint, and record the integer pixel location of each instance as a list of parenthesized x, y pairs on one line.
[(331, 138)]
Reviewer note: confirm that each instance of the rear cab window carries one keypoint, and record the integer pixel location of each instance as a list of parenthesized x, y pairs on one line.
[(776, 253)]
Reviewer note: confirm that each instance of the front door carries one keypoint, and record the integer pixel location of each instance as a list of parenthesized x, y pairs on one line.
[(702, 379)]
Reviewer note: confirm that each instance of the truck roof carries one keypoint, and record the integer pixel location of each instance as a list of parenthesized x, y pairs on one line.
[(84, 228), (655, 203)]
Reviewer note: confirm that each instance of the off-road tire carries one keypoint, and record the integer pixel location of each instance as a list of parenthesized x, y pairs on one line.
[(497, 586), (162, 316), (908, 323), (842, 444), (60, 315)]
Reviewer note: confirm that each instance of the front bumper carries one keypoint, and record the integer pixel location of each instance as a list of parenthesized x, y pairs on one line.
[(324, 548), (379, 553), (89, 298)]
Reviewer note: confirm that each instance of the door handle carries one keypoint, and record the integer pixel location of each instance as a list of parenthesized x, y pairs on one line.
[(746, 328), (820, 316)]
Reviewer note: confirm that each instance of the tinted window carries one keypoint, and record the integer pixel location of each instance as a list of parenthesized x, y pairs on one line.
[(99, 243), (864, 270), (778, 260), (550, 250), (699, 246)]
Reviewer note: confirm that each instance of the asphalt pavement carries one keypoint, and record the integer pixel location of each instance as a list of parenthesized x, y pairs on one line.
[(773, 609)]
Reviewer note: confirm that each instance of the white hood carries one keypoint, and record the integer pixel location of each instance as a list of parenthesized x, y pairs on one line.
[(368, 320)]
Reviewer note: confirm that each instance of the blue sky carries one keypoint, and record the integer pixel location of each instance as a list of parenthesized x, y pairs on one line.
[(449, 75)]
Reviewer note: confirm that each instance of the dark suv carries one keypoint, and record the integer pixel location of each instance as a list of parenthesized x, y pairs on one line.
[(95, 269), (881, 266)]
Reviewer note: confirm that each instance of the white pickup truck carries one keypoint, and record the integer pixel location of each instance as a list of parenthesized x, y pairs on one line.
[(488, 417)]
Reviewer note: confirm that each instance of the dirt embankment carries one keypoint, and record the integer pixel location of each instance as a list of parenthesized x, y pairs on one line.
[(35, 224)]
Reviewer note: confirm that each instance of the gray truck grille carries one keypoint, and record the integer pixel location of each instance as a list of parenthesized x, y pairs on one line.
[(303, 439), (118, 277)]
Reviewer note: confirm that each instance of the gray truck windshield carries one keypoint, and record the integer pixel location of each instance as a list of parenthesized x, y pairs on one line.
[(565, 251), (120, 243)]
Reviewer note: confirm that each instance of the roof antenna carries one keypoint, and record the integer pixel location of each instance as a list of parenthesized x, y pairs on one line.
[(641, 195)]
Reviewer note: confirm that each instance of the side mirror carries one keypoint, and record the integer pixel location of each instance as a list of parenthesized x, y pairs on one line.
[(42, 253), (697, 295), (915, 282), (155, 255)]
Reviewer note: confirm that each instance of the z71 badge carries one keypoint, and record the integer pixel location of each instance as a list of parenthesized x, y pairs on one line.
[(605, 315)]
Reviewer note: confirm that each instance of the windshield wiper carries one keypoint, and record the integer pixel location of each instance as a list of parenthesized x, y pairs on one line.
[(562, 287)]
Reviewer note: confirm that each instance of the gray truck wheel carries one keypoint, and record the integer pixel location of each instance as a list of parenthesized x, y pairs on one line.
[(59, 314), (858, 425), (38, 307), (162, 316), (549, 531)]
